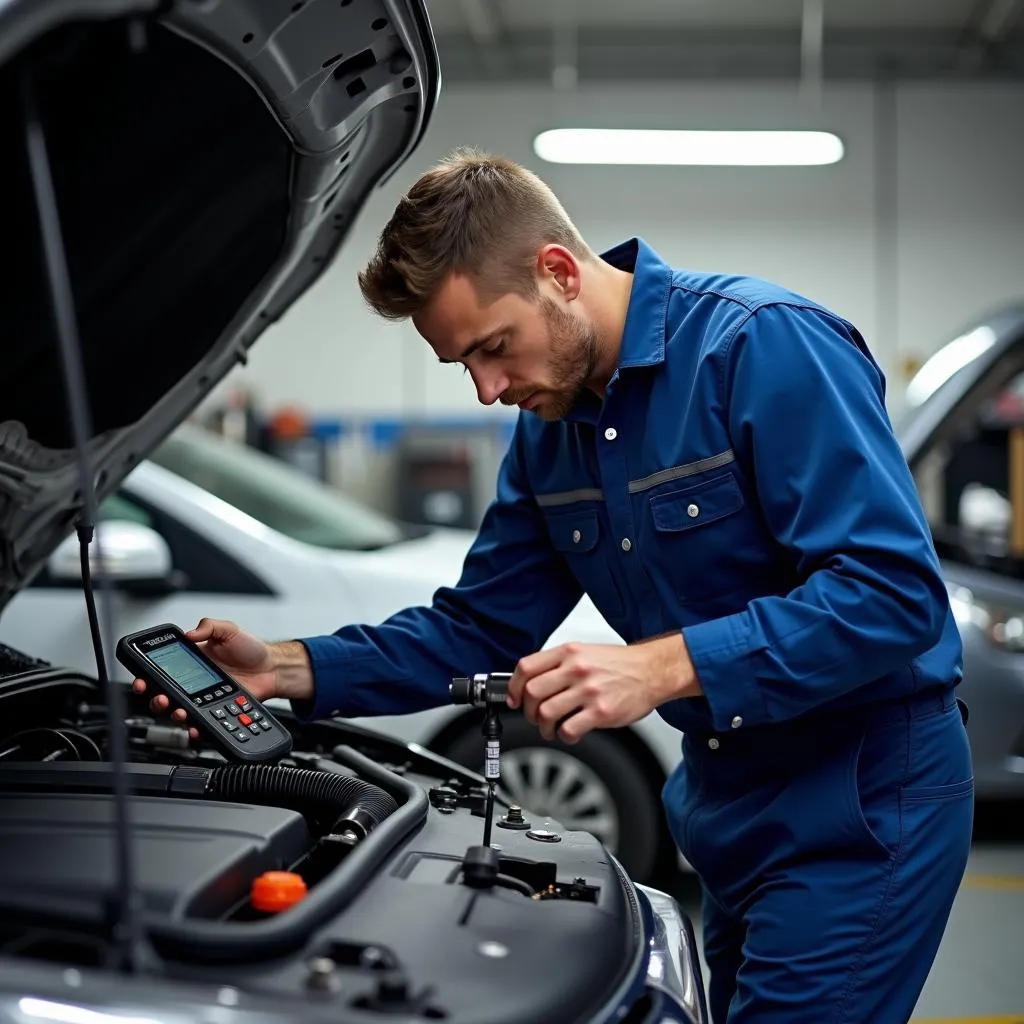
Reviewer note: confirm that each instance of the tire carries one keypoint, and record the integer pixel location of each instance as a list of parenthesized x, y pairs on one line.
[(603, 792)]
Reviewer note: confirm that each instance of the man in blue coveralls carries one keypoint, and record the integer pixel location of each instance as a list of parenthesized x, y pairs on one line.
[(710, 459)]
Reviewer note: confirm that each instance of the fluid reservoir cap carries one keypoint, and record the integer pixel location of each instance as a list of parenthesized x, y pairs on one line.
[(274, 891)]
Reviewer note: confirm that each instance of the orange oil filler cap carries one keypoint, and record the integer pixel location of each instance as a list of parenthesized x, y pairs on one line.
[(274, 891)]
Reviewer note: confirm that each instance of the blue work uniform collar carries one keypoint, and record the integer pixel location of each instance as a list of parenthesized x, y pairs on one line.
[(643, 335)]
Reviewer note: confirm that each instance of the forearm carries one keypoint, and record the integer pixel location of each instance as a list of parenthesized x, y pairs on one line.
[(513, 591), (405, 663), (293, 671), (672, 674)]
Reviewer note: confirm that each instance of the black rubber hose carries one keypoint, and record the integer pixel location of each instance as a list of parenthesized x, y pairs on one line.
[(335, 802), (237, 941), (231, 941)]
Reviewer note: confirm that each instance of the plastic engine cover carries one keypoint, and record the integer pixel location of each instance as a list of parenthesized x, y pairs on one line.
[(191, 858)]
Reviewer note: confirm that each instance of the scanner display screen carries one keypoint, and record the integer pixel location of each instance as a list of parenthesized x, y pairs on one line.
[(191, 674)]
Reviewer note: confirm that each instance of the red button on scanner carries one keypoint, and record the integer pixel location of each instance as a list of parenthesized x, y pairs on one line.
[(240, 701), (245, 719)]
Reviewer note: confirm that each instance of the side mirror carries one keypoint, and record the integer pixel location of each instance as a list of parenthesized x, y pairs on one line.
[(136, 559)]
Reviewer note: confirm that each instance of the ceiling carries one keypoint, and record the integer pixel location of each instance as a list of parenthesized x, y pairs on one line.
[(568, 41)]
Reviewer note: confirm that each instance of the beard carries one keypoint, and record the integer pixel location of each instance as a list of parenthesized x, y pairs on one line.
[(571, 364)]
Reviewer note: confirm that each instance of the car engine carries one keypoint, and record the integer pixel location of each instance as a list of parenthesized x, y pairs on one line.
[(350, 874)]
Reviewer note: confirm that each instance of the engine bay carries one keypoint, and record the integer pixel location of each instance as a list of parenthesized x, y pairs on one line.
[(382, 898)]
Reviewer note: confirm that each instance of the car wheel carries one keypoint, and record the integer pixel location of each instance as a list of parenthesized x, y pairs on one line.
[(593, 786)]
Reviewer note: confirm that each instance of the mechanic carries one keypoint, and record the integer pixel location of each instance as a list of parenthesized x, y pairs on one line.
[(709, 458)]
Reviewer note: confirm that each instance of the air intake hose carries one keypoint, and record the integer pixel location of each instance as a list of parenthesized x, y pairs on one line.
[(337, 803)]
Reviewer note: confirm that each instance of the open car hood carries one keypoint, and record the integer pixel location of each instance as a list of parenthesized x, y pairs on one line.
[(208, 159)]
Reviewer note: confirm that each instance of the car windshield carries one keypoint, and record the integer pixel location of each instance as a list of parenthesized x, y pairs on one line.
[(274, 493)]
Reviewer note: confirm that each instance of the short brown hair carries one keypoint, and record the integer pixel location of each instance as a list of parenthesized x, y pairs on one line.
[(475, 214)]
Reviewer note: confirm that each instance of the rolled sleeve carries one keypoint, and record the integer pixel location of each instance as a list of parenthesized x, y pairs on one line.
[(807, 414)]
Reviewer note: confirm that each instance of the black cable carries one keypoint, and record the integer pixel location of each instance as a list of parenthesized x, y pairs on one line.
[(123, 916), (514, 883), (70, 747), (82, 736), (66, 734), (500, 879), (18, 739), (508, 881)]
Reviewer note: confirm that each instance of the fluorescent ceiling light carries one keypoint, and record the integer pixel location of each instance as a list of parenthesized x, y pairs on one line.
[(704, 148)]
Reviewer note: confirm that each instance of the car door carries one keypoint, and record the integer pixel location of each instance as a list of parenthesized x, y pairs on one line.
[(48, 618)]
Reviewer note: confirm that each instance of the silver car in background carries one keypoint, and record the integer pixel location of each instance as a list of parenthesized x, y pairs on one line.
[(963, 435)]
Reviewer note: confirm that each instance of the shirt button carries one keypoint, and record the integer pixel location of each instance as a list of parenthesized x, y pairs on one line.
[(626, 545), (610, 434), (737, 722), (713, 743), (576, 535), (692, 511)]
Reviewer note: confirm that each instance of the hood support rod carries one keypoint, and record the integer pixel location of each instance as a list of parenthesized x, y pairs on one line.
[(123, 916)]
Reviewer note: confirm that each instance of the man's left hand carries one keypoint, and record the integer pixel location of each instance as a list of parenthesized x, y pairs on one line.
[(574, 688)]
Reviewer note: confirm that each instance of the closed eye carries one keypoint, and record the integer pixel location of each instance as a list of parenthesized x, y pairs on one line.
[(494, 350)]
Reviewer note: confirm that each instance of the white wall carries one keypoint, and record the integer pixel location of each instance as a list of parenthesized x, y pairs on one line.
[(961, 194), (956, 243)]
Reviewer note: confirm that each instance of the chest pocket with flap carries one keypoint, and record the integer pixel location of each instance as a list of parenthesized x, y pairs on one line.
[(706, 538), (694, 506)]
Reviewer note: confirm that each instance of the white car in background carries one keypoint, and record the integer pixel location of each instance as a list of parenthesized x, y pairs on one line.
[(207, 526)]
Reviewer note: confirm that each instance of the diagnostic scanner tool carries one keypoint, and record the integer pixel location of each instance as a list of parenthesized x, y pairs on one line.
[(223, 711)]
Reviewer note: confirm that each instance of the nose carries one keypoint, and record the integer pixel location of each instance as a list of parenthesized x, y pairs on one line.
[(490, 385)]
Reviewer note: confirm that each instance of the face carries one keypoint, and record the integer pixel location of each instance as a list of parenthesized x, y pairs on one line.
[(536, 353)]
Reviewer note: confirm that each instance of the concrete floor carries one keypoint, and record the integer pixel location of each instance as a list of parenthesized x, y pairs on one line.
[(978, 976)]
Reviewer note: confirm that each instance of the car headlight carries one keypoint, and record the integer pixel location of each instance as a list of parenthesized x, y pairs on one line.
[(673, 965), (1000, 622)]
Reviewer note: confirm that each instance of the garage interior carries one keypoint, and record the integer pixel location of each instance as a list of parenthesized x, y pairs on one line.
[(918, 229), (911, 226)]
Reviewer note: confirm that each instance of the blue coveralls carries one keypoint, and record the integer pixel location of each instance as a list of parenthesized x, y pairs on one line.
[(740, 482)]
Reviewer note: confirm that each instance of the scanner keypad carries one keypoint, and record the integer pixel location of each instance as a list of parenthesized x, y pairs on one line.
[(237, 715)]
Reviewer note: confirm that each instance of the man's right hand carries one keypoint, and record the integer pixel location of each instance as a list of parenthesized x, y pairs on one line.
[(258, 666)]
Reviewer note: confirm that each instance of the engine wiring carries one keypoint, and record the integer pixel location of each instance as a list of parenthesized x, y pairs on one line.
[(20, 746)]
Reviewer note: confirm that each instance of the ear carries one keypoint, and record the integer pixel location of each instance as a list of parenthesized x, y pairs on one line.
[(558, 266)]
